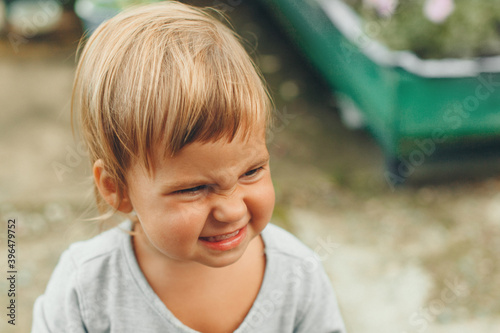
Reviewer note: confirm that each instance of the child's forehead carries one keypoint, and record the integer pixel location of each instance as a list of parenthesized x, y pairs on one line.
[(240, 135), (240, 147), (248, 143)]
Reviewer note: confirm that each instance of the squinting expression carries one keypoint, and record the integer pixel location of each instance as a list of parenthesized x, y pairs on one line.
[(206, 203)]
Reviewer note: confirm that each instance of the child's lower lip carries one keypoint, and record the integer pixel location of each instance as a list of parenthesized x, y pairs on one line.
[(226, 244)]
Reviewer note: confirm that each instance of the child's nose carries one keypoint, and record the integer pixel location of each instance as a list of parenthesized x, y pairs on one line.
[(230, 207)]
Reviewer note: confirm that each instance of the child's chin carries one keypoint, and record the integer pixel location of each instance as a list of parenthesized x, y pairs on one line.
[(222, 261)]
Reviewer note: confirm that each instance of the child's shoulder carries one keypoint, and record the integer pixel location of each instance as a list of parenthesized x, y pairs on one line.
[(281, 242), (99, 248)]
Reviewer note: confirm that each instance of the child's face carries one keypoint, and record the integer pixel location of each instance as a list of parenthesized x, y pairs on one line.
[(206, 190)]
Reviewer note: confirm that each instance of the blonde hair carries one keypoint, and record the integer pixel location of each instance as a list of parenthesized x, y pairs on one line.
[(165, 73)]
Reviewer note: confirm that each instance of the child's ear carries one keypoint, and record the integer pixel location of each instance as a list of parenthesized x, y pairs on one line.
[(109, 189)]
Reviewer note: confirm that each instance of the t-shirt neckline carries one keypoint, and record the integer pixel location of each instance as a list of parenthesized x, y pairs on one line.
[(161, 309)]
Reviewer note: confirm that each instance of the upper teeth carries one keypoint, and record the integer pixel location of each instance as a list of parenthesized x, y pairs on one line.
[(222, 237)]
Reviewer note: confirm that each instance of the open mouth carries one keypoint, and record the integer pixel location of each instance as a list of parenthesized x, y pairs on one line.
[(226, 241), (219, 238)]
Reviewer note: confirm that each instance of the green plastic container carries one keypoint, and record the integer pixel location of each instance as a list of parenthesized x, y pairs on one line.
[(416, 109)]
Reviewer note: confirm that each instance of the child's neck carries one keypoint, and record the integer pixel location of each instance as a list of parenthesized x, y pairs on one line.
[(189, 287)]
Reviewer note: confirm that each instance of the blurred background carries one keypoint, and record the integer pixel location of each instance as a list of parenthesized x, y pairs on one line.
[(409, 235)]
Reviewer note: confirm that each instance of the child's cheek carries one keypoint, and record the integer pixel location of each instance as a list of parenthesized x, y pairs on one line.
[(263, 200), (186, 220)]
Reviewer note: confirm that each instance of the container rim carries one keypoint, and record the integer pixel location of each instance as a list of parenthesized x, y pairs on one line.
[(350, 24)]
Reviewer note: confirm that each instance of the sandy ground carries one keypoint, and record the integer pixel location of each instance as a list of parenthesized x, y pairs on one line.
[(422, 258)]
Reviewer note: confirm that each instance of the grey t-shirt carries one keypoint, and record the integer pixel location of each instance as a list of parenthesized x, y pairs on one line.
[(98, 287)]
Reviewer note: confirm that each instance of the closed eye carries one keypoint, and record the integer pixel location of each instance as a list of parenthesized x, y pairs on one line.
[(253, 172), (192, 190)]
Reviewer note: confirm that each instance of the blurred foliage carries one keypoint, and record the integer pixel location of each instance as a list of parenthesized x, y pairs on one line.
[(471, 30), (116, 4)]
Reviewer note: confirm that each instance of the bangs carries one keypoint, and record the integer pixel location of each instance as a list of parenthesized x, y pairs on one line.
[(223, 96), (203, 89), (154, 79)]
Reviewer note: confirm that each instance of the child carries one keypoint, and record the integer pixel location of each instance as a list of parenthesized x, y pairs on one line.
[(174, 115)]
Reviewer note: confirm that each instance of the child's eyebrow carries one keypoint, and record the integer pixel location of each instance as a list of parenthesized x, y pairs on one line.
[(261, 161)]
